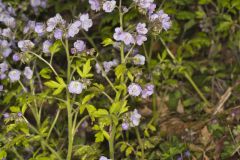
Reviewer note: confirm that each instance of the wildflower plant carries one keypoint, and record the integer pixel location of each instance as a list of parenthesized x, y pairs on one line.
[(59, 66)]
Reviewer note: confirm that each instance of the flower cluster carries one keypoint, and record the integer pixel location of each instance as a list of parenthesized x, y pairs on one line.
[(139, 37), (135, 90), (107, 6), (38, 3), (25, 45), (107, 66), (159, 19), (7, 15), (131, 119)]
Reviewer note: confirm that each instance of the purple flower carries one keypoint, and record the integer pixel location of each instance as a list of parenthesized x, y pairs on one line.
[(125, 126), (2, 76), (75, 87), (28, 73), (6, 52), (58, 33), (179, 158), (40, 28), (25, 45), (163, 18), (74, 28), (139, 59), (118, 34), (152, 8), (35, 3), (6, 115), (127, 38), (86, 21), (14, 75), (10, 22), (7, 32), (108, 65), (140, 39), (3, 67), (46, 45), (1, 88), (80, 45), (30, 26), (145, 3), (95, 5), (54, 21), (103, 158), (98, 68), (4, 44), (19, 114), (147, 91), (108, 6), (141, 28), (134, 89), (73, 50), (135, 118), (16, 57), (187, 153)]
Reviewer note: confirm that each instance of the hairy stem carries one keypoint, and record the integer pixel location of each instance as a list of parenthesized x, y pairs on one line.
[(111, 142), (140, 143), (44, 62), (69, 108)]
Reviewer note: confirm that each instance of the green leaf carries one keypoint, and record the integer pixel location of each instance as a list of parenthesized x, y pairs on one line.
[(128, 151), (120, 70), (204, 1), (85, 73), (45, 73), (224, 26), (24, 108), (118, 107), (123, 147), (107, 42), (58, 91), (52, 84), (106, 135), (100, 113), (184, 15), (130, 76), (15, 109), (87, 98), (3, 153), (99, 137), (61, 81), (56, 47)]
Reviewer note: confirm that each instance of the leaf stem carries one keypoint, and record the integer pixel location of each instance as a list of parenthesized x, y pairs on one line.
[(187, 76), (140, 142), (44, 62)]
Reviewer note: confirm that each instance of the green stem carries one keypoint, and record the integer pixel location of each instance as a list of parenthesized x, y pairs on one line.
[(79, 123), (44, 62), (53, 124), (43, 140), (17, 154), (140, 142), (24, 89), (187, 76), (111, 142), (69, 108)]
